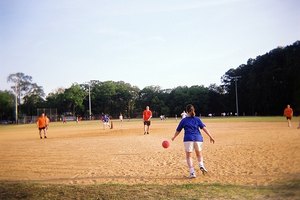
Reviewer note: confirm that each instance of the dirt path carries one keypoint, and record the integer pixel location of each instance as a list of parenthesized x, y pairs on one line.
[(255, 153)]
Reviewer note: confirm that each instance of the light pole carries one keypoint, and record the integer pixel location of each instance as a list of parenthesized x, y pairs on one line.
[(16, 103), (90, 103), (236, 94)]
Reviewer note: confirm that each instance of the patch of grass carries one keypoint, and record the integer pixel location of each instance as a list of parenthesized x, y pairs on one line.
[(28, 190)]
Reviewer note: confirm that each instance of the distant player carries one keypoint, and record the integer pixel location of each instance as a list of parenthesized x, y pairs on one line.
[(193, 139), (121, 119), (288, 113), (147, 115), (41, 123), (47, 122), (105, 120), (183, 114)]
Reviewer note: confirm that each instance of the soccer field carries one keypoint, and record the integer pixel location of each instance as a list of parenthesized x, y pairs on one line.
[(248, 151)]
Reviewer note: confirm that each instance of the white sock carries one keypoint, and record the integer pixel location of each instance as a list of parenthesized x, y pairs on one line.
[(201, 164), (192, 170)]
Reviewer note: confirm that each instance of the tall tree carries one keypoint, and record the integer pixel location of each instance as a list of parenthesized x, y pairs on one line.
[(74, 97), (22, 85), (267, 83), (6, 105)]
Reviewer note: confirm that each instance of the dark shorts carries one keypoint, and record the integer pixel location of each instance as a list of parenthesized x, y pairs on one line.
[(289, 118), (42, 128), (147, 123)]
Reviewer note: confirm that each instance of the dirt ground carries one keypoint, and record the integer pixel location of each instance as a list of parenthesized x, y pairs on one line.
[(245, 153)]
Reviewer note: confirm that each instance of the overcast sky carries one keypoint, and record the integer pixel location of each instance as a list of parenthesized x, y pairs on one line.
[(168, 43)]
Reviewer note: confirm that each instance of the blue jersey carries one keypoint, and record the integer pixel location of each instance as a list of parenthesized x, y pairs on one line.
[(105, 118), (191, 127)]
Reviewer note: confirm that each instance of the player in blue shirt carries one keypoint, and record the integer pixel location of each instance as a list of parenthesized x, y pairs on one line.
[(193, 139), (105, 120)]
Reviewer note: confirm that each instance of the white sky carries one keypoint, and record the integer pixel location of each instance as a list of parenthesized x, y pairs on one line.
[(168, 43)]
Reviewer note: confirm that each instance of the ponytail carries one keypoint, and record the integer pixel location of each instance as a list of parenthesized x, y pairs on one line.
[(190, 110)]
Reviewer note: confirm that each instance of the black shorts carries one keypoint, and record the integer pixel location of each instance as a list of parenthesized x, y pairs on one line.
[(147, 123), (288, 118), (42, 128)]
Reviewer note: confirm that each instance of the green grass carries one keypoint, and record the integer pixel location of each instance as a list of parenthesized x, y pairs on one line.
[(27, 190)]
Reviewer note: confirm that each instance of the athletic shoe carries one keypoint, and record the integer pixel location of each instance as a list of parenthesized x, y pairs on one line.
[(203, 170), (144, 133), (147, 132), (192, 175), (45, 136), (41, 137)]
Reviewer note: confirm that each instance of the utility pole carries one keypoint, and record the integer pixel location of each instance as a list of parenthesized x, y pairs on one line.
[(235, 78), (90, 103), (16, 101)]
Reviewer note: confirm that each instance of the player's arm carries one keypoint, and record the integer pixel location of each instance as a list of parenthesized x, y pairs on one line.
[(212, 140), (175, 135)]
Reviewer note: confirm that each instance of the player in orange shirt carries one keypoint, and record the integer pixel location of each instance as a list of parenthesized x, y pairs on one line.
[(47, 121), (147, 115), (41, 123), (288, 113)]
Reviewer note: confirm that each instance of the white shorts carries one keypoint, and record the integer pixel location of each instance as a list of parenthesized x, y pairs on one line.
[(191, 146)]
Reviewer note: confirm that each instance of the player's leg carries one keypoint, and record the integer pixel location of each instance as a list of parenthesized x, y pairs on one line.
[(45, 133), (198, 150), (148, 126), (188, 153), (189, 161), (145, 127), (40, 132)]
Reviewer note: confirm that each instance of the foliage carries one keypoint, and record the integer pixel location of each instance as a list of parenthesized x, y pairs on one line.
[(264, 86), (268, 83), (6, 105)]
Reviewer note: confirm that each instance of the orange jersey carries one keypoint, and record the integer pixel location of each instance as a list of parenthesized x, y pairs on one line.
[(288, 112), (41, 122), (147, 114)]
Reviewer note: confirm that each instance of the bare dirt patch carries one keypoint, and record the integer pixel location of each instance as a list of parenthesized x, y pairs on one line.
[(245, 153)]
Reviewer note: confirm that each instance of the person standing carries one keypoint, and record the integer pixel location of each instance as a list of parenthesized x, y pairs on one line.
[(47, 122), (106, 121), (193, 139), (183, 114), (121, 119), (41, 123), (288, 113), (147, 115)]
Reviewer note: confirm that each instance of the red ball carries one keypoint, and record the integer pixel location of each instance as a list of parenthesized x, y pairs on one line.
[(165, 144)]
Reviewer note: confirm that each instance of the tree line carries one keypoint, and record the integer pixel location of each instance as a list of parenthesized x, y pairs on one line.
[(264, 86)]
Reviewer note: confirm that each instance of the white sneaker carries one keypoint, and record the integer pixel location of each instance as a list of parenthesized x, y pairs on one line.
[(203, 170), (192, 175)]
